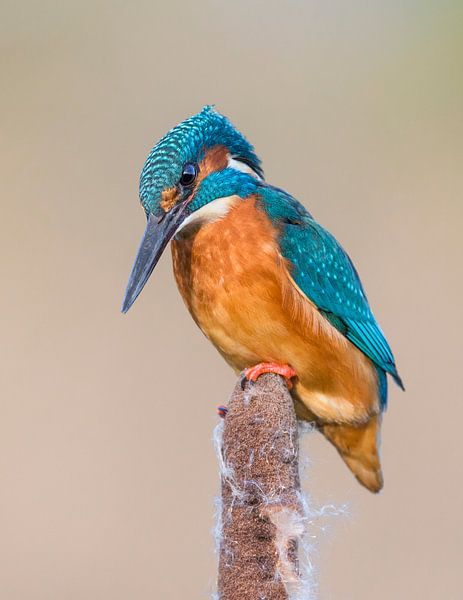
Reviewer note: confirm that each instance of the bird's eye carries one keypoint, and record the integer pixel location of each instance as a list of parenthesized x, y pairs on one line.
[(189, 174)]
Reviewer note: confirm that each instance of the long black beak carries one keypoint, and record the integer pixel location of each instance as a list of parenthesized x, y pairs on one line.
[(155, 239)]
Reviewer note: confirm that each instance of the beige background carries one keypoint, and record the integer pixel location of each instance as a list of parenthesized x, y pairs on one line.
[(107, 471)]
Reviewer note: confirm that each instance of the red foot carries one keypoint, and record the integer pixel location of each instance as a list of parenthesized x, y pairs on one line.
[(286, 371), (222, 411)]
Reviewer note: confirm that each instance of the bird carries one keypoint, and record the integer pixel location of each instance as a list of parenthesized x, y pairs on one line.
[(269, 286)]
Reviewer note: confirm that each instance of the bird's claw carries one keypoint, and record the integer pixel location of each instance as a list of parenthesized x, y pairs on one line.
[(222, 411), (253, 373)]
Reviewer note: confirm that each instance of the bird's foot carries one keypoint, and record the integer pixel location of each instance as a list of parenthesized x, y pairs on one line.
[(222, 411), (256, 371)]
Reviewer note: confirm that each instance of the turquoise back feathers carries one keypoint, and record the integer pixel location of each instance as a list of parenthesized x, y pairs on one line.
[(324, 272)]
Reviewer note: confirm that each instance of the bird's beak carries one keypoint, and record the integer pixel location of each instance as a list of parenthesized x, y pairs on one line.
[(155, 239)]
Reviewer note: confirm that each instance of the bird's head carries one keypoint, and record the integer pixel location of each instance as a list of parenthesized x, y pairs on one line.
[(188, 178)]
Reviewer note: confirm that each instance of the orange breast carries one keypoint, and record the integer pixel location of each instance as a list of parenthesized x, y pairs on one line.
[(238, 289)]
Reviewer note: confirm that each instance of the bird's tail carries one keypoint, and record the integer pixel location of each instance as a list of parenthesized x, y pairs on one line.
[(359, 448)]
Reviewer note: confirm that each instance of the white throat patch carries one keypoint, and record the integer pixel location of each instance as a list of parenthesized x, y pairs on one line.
[(212, 211)]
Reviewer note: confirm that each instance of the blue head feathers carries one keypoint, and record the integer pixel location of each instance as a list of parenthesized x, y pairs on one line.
[(185, 143)]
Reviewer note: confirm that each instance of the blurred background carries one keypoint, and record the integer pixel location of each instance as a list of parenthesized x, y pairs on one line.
[(107, 470)]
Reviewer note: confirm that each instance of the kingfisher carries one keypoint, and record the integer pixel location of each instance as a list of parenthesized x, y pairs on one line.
[(270, 287)]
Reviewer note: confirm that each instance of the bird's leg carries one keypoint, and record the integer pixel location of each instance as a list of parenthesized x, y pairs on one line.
[(254, 372)]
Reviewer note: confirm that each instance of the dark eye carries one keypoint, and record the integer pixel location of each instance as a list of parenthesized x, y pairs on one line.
[(189, 174)]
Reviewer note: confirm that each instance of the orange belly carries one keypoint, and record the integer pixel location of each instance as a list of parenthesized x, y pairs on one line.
[(239, 291)]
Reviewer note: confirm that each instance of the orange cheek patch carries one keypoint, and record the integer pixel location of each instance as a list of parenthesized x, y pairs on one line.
[(169, 198), (215, 159)]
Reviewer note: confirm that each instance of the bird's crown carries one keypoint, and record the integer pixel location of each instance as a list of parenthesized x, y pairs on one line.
[(187, 143)]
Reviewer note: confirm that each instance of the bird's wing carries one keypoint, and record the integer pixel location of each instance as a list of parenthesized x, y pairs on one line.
[(325, 274)]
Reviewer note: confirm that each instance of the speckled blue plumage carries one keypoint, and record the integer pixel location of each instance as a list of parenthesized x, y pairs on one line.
[(186, 143)]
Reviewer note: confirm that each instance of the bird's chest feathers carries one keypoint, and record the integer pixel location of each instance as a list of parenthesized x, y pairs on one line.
[(226, 269)]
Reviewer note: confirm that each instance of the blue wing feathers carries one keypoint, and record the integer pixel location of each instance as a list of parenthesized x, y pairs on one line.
[(325, 273), (370, 339)]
